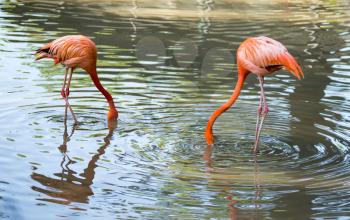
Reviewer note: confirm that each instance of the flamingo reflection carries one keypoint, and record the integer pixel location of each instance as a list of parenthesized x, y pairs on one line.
[(224, 182), (69, 186)]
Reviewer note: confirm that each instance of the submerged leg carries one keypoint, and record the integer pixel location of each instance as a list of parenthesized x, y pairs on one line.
[(263, 115), (65, 90), (63, 146)]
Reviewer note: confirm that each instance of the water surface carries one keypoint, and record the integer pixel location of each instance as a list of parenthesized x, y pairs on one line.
[(169, 64)]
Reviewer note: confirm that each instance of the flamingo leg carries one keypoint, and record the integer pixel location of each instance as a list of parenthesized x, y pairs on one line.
[(63, 94), (65, 91), (63, 146), (258, 116), (263, 114), (70, 71)]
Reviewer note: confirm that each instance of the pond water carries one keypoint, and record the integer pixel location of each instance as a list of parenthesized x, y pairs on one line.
[(169, 65)]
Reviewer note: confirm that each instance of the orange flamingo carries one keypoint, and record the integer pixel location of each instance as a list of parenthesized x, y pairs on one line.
[(75, 51), (261, 56)]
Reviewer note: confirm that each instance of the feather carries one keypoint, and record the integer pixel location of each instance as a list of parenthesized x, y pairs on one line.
[(71, 50), (263, 55), (76, 51)]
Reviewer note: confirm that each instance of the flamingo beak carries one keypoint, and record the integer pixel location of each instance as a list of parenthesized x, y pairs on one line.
[(39, 56)]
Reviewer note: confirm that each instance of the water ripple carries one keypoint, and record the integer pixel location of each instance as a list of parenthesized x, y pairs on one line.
[(155, 162)]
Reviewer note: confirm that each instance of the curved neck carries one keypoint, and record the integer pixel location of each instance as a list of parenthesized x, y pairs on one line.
[(94, 77), (209, 130)]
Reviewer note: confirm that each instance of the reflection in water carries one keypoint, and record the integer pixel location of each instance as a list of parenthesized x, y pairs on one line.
[(225, 184), (233, 211), (205, 7), (159, 165), (69, 186)]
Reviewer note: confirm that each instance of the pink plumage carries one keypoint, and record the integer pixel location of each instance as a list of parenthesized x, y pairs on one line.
[(263, 55), (75, 51), (260, 56), (71, 50)]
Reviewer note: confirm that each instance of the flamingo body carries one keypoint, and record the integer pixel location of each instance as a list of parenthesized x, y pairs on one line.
[(260, 56), (76, 51), (263, 55)]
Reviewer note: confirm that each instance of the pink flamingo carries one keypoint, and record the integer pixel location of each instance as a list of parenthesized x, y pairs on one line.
[(260, 56), (75, 51)]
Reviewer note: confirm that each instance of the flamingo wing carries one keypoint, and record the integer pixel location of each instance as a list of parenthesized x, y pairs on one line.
[(263, 55), (68, 49)]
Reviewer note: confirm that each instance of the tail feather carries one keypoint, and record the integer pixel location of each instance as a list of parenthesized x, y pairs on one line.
[(288, 61)]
